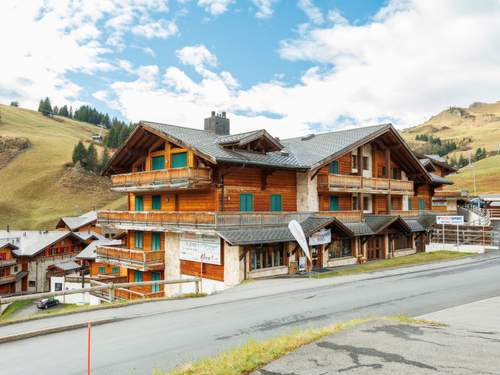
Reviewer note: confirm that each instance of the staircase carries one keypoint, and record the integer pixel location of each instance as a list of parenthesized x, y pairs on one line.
[(474, 215)]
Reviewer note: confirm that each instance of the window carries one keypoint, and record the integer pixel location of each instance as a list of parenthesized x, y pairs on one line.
[(410, 204), (179, 160), (57, 287), (366, 203), (139, 203), (32, 284), (155, 241), (138, 239), (16, 268), (421, 204), (267, 257), (366, 163), (3, 256), (384, 171), (355, 203), (354, 161), (115, 270), (334, 203), (156, 202), (155, 276), (276, 203), (395, 173), (402, 242), (340, 249), (334, 167), (102, 269), (246, 202), (157, 162), (137, 276)]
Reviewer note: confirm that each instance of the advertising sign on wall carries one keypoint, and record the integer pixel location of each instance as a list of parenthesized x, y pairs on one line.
[(321, 237), (195, 246), (455, 220)]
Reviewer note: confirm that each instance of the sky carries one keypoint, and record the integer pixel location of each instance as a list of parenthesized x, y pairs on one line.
[(289, 66)]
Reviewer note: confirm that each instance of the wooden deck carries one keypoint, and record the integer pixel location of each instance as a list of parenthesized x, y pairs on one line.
[(134, 259), (165, 179), (214, 219), (360, 184)]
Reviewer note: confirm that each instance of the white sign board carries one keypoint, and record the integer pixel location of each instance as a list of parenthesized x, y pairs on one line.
[(454, 220), (195, 247), (302, 264), (321, 237)]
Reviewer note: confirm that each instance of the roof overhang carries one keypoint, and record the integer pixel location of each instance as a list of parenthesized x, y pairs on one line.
[(142, 138)]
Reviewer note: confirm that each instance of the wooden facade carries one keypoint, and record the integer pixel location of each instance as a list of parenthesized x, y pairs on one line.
[(174, 188)]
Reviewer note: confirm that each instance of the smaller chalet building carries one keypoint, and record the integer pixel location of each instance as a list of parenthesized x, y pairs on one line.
[(33, 253), (213, 204)]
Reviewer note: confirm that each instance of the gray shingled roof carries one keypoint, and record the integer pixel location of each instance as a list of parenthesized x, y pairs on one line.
[(360, 229), (436, 158), (414, 225), (440, 180), (276, 234), (75, 222), (89, 252), (208, 144), (67, 265), (313, 149), (29, 243)]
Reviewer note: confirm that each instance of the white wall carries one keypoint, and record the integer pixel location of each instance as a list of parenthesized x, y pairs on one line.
[(478, 249), (307, 192), (79, 298)]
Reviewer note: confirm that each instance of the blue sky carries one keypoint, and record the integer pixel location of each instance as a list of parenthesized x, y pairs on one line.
[(290, 66)]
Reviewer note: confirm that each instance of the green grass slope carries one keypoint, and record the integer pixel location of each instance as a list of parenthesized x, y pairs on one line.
[(487, 173), (37, 187)]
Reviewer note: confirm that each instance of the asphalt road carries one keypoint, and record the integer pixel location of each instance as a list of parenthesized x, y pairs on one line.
[(164, 340)]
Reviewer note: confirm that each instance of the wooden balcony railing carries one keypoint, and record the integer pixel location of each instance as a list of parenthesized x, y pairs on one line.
[(347, 183), (132, 219), (173, 178), (135, 259), (416, 213), (449, 193), (7, 262)]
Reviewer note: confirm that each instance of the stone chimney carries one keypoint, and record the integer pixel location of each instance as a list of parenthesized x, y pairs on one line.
[(217, 123)]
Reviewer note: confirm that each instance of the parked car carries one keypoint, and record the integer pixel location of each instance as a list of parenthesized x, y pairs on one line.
[(46, 303), (478, 202)]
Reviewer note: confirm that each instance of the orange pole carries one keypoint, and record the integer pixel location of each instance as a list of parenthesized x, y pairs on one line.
[(88, 348)]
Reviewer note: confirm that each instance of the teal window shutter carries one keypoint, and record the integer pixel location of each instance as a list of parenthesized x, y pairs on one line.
[(156, 202), (139, 203), (158, 162), (139, 239), (334, 203), (246, 202), (179, 160), (410, 204), (115, 269), (421, 204), (155, 241), (137, 276), (102, 269), (155, 276), (334, 167), (276, 202)]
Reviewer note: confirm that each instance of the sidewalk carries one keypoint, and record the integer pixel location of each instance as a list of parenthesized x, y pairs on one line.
[(469, 345), (250, 290)]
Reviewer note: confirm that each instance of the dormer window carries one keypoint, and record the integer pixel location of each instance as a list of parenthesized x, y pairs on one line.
[(256, 141)]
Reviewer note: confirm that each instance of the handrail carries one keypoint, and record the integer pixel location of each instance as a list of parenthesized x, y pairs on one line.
[(162, 176), (355, 182), (141, 256)]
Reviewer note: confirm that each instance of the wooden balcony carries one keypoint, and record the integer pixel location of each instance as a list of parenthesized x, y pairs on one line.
[(449, 193), (7, 262), (360, 184), (416, 213), (159, 220), (140, 260), (165, 179)]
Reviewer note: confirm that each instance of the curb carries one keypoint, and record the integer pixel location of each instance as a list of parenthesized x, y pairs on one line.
[(48, 331)]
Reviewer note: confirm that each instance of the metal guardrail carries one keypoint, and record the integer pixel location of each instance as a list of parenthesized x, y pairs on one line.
[(111, 287)]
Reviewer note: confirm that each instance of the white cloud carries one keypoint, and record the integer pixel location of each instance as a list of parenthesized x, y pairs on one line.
[(407, 63), (215, 7), (264, 8), (312, 11), (198, 56), (158, 29)]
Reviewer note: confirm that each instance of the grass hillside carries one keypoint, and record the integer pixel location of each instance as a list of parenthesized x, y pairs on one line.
[(487, 173), (37, 186), (480, 122)]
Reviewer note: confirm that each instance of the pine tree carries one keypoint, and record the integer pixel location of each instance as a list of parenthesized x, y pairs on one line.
[(91, 164), (55, 110), (40, 106), (105, 159), (79, 153)]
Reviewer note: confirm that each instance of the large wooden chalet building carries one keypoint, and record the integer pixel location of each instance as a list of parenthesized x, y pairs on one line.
[(215, 204)]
